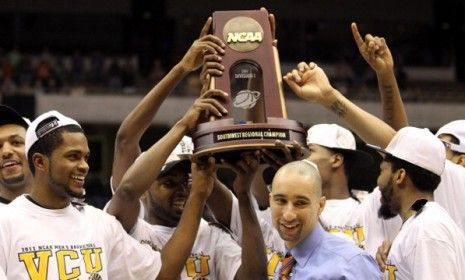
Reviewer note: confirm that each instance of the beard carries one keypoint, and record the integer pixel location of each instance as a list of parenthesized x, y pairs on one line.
[(384, 212), (388, 209)]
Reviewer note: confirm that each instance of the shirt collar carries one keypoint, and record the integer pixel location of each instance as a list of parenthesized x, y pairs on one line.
[(305, 249), (4, 200)]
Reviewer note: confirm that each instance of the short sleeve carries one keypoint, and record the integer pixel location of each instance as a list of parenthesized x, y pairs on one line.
[(141, 209), (434, 259), (450, 195), (131, 260), (227, 255)]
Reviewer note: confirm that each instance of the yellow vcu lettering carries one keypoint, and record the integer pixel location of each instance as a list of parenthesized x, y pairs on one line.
[(333, 230), (204, 269), (360, 235), (349, 232), (62, 259), (273, 264), (390, 270), (92, 259), (353, 233), (190, 266), (197, 266), (242, 37), (36, 263)]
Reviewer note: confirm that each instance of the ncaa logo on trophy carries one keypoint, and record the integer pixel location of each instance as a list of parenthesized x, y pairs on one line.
[(252, 76)]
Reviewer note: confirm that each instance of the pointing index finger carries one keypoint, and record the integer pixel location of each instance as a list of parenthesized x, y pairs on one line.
[(357, 37), (206, 27)]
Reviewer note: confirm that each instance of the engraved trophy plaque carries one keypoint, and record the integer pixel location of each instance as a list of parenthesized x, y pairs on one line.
[(257, 114)]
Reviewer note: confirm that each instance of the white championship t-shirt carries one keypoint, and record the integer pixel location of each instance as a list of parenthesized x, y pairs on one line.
[(215, 255), (450, 193), (2, 274), (429, 246), (339, 217), (76, 242)]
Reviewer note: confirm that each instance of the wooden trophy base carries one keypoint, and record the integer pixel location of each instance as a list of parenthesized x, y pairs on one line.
[(226, 140)]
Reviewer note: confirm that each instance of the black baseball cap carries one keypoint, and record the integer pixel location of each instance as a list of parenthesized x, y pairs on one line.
[(9, 116)]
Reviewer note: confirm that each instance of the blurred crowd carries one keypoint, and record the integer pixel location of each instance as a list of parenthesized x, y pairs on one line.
[(47, 72), (22, 73)]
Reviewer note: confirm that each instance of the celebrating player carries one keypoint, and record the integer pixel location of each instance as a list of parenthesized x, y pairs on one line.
[(15, 177), (406, 190), (45, 235)]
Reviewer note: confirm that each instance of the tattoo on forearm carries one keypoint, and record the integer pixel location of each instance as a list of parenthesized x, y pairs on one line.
[(387, 89), (339, 108), (388, 104)]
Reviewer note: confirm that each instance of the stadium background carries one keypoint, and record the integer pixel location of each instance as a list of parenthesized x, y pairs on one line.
[(94, 60)]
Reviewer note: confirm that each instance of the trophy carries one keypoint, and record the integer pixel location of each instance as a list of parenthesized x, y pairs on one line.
[(257, 115)]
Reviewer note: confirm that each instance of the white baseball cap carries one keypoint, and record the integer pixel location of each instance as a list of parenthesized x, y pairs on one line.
[(419, 147), (456, 129), (179, 156), (341, 140), (337, 138), (331, 136), (44, 124)]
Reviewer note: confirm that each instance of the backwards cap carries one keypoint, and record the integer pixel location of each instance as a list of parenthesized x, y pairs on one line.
[(418, 147), (179, 156), (331, 136), (341, 140), (456, 129), (44, 124)]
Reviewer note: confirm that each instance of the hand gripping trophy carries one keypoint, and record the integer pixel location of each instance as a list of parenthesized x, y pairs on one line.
[(252, 76)]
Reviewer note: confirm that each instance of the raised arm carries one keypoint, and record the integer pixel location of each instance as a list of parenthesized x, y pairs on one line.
[(124, 204), (377, 54), (178, 248), (310, 82), (253, 259), (220, 201), (136, 123)]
